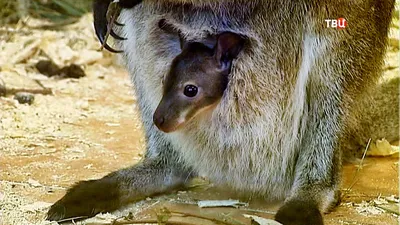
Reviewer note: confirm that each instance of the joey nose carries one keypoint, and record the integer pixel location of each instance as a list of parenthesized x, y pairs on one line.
[(158, 120)]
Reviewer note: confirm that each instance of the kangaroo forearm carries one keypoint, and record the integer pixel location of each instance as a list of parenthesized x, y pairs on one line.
[(150, 177), (147, 178)]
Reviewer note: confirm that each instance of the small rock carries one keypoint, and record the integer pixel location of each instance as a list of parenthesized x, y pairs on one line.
[(72, 71), (47, 67), (83, 104), (24, 98)]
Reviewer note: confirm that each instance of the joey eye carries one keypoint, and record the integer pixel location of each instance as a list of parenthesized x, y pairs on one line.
[(190, 91)]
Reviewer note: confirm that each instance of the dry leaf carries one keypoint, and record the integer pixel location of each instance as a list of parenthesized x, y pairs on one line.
[(262, 221), (366, 208), (220, 203), (383, 148), (392, 198), (34, 183)]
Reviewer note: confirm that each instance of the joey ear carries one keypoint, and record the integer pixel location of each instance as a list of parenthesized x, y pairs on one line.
[(228, 48)]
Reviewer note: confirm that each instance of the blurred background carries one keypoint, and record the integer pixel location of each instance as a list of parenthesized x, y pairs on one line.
[(54, 10)]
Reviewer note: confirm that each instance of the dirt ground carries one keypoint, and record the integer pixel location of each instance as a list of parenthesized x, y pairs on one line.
[(89, 127)]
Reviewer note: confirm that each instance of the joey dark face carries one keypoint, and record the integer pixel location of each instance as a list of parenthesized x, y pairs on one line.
[(196, 81), (193, 83)]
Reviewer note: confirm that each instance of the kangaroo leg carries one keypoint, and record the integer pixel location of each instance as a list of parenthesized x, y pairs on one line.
[(157, 173)]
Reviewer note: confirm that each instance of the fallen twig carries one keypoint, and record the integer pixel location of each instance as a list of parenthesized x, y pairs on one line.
[(152, 221), (216, 220), (387, 210), (259, 211), (358, 170), (25, 53), (72, 219), (45, 91)]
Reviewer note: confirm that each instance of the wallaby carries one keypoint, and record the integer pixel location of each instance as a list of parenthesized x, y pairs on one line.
[(277, 128), (197, 80)]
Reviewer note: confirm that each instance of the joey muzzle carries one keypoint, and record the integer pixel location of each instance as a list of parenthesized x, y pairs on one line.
[(166, 119)]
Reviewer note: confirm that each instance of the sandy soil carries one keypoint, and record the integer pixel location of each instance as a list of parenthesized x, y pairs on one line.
[(89, 127)]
